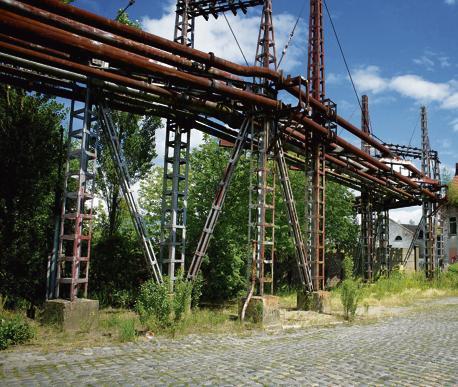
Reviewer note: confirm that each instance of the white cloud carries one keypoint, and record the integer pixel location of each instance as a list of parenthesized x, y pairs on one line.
[(416, 87), (454, 125), (431, 59), (215, 35), (369, 79), (334, 79), (451, 102), (424, 61), (450, 2)]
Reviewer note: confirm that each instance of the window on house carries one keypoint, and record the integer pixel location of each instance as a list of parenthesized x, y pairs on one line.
[(398, 238), (453, 225)]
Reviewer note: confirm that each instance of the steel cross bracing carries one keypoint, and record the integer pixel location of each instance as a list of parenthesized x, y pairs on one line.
[(218, 201), (111, 134), (77, 205), (303, 263), (177, 143)]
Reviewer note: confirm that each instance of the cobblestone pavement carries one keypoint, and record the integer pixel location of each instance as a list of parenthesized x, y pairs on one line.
[(417, 348)]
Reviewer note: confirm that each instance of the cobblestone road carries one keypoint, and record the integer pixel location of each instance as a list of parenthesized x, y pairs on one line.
[(419, 348)]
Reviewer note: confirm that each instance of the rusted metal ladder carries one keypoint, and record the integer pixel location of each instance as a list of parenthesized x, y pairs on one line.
[(261, 214), (111, 134), (218, 201), (303, 262), (78, 200), (318, 215)]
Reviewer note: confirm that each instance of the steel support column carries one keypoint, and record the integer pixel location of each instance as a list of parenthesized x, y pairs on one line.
[(429, 227), (317, 192), (77, 207), (262, 205), (318, 215), (176, 168), (368, 231)]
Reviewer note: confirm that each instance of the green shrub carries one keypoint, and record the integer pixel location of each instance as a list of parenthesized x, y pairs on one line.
[(127, 331), (349, 296), (452, 194), (14, 330), (182, 296), (123, 299), (453, 269), (154, 304), (347, 266), (196, 291)]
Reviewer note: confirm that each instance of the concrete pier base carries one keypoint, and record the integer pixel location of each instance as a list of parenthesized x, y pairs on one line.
[(79, 315), (319, 301), (261, 309)]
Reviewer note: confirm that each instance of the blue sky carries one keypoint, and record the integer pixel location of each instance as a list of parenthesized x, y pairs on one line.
[(402, 54)]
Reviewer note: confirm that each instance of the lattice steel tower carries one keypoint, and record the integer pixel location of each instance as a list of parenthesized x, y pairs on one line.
[(176, 167), (315, 168), (262, 186)]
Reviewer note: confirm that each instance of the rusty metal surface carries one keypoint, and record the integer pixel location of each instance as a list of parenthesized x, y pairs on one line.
[(46, 46)]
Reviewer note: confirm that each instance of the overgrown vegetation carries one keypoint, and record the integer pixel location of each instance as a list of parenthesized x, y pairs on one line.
[(14, 328), (349, 292), (452, 193)]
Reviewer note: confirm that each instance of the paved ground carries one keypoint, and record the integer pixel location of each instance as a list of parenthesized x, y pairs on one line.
[(417, 348)]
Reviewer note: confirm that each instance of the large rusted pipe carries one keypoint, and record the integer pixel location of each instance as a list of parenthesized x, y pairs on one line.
[(143, 37), (17, 23), (126, 44), (115, 55), (208, 59), (161, 93)]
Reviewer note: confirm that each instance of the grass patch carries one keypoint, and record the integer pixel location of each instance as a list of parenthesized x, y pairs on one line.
[(403, 289)]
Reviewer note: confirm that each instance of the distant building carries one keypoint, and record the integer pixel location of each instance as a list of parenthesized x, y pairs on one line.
[(450, 216), (401, 236)]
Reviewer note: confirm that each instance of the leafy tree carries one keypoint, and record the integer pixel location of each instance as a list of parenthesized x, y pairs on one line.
[(225, 268), (30, 150), (117, 258), (137, 138)]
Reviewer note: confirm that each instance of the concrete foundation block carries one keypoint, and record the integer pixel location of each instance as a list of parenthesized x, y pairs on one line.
[(79, 315), (261, 309), (319, 301)]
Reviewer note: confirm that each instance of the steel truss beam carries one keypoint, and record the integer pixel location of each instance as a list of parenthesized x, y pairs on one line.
[(214, 8)]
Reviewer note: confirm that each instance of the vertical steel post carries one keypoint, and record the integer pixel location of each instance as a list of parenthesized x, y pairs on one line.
[(176, 168), (77, 207), (316, 79), (316, 65), (367, 212), (262, 209), (427, 205)]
